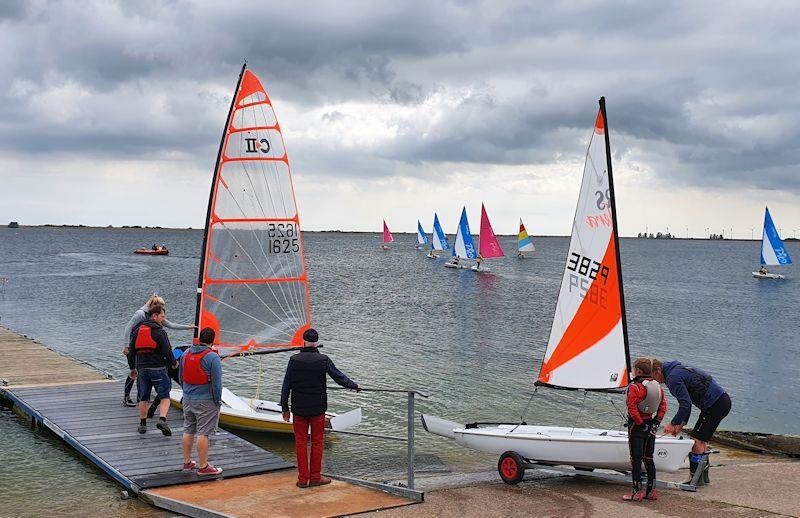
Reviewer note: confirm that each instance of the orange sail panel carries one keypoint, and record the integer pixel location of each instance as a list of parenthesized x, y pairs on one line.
[(253, 288), (587, 348)]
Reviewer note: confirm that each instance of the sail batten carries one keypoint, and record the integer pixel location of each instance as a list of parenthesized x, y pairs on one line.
[(253, 286), (588, 346)]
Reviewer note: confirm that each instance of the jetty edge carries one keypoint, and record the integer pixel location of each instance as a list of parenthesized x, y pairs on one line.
[(39, 381)]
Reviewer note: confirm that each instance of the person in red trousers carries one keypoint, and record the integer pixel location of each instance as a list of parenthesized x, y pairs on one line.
[(305, 382)]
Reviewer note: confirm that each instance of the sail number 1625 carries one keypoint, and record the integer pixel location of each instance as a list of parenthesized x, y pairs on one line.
[(282, 238), (585, 270)]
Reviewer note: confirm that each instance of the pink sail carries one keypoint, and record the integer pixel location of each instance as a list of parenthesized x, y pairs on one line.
[(387, 236), (489, 247)]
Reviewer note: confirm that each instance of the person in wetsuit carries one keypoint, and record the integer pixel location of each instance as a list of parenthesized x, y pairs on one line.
[(646, 408)]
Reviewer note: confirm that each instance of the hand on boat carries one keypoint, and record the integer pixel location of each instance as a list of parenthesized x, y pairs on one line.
[(287, 416), (673, 430)]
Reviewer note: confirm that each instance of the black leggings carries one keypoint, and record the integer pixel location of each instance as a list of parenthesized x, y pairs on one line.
[(128, 386), (642, 443)]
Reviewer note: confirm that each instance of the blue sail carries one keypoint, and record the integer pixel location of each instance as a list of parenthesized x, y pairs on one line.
[(439, 239), (773, 252), (463, 246), (422, 237)]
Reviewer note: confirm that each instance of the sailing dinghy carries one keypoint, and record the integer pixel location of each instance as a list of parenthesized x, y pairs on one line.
[(387, 237), (422, 237), (438, 238), (773, 253), (463, 246), (488, 246), (524, 243), (587, 349), (253, 286)]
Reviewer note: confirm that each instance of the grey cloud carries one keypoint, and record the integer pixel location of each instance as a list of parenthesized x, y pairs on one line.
[(709, 89)]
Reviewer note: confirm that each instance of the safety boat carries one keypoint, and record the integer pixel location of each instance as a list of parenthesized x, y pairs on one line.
[(253, 285), (773, 252), (161, 250), (587, 349)]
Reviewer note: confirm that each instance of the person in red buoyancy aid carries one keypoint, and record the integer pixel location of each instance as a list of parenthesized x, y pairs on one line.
[(201, 379), (646, 408), (149, 356)]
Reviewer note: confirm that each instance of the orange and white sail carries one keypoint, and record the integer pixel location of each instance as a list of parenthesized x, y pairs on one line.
[(253, 288), (588, 346)]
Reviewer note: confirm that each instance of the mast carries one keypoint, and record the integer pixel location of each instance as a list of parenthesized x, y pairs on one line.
[(616, 236), (211, 203)]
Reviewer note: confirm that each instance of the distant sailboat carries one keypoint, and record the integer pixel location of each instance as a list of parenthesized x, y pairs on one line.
[(438, 238), (488, 246), (773, 253), (387, 237), (422, 237), (463, 246), (524, 243)]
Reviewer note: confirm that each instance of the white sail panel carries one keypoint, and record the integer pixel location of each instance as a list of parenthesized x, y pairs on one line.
[(587, 346)]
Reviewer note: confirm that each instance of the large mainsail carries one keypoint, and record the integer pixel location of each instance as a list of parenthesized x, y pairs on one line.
[(773, 253), (438, 237), (252, 288), (488, 246), (588, 345), (463, 245)]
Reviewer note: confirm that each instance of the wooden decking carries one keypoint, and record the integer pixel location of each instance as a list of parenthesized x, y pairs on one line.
[(84, 407), (91, 417), (25, 362)]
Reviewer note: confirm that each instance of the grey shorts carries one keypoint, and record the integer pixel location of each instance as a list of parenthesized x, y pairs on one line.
[(200, 417)]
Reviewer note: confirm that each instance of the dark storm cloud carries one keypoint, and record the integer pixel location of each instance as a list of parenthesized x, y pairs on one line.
[(704, 93)]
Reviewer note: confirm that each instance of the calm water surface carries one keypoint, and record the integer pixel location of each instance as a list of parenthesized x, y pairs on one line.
[(397, 319)]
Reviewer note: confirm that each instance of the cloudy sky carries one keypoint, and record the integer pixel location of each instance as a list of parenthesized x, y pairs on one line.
[(111, 112)]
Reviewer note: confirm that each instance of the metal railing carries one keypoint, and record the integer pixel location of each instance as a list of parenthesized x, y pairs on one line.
[(410, 415)]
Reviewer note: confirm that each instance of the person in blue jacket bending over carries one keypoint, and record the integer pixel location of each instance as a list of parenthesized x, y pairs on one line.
[(693, 386)]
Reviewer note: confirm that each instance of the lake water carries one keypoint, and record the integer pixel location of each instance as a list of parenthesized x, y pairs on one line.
[(397, 319)]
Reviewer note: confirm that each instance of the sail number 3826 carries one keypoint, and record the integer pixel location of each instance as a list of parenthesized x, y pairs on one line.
[(282, 238), (585, 271)]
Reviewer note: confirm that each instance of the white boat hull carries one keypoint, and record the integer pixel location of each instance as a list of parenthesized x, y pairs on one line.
[(759, 275), (257, 415), (460, 266), (482, 269), (579, 447)]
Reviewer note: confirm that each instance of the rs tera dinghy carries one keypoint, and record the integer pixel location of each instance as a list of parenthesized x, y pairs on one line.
[(773, 252), (253, 285), (587, 349)]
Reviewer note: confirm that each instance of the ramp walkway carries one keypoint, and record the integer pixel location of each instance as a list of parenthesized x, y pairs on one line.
[(83, 407)]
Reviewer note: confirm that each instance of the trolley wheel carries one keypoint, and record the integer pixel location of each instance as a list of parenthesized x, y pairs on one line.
[(511, 467)]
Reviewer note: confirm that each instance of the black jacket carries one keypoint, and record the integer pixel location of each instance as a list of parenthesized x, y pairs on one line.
[(161, 357), (306, 383)]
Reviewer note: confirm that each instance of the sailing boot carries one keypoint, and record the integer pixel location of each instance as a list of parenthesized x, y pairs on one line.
[(651, 494), (695, 459), (637, 495), (707, 460)]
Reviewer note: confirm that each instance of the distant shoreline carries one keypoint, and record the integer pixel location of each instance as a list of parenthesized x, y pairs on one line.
[(140, 227)]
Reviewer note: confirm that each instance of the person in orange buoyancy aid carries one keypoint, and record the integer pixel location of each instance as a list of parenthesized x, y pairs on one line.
[(149, 356), (646, 408), (201, 380)]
